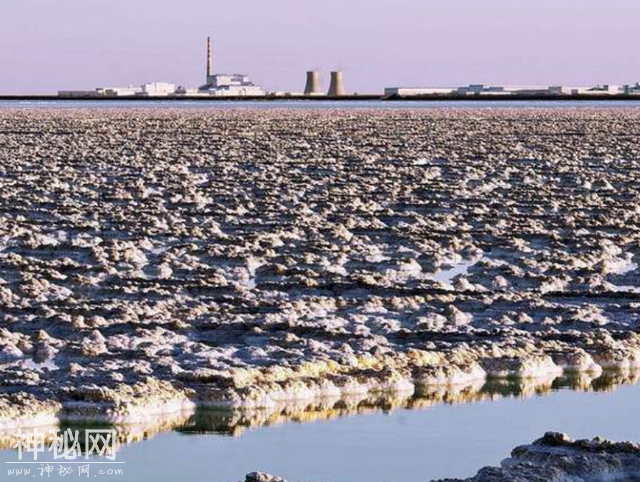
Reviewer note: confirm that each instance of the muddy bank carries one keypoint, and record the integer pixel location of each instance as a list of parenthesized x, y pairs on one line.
[(153, 262)]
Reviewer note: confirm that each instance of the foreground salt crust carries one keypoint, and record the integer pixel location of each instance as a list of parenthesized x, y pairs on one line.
[(557, 458), (154, 262)]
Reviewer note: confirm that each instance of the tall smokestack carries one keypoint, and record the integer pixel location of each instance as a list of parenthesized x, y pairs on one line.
[(209, 59), (337, 87), (313, 83)]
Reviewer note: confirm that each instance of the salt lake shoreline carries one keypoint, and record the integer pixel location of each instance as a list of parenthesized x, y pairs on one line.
[(554, 457), (52, 414), (157, 262)]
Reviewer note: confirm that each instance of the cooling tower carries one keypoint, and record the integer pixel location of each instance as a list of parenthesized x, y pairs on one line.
[(337, 87), (313, 83)]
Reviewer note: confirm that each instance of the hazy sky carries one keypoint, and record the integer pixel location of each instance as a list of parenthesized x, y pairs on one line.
[(47, 45)]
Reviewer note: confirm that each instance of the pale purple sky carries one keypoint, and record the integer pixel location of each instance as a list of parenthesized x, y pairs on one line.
[(46, 45)]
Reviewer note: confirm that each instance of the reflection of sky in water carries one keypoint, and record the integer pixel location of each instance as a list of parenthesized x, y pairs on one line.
[(305, 104), (404, 446), (447, 275)]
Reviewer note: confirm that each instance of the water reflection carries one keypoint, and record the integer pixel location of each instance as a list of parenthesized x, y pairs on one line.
[(234, 423)]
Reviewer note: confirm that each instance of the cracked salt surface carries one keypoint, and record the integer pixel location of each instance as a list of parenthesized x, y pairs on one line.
[(250, 258)]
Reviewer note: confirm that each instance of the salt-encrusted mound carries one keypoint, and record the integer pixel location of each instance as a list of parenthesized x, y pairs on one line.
[(553, 458), (557, 458)]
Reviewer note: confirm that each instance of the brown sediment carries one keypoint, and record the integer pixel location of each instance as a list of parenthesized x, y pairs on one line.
[(158, 261)]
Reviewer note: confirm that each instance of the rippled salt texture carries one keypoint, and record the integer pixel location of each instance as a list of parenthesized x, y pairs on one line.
[(163, 260)]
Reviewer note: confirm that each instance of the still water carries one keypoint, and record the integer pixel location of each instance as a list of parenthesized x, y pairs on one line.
[(412, 439), (301, 104)]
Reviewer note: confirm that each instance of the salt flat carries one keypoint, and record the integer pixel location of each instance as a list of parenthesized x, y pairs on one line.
[(152, 261)]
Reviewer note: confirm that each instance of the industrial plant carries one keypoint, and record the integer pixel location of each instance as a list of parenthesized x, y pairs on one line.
[(488, 91), (218, 85), (230, 85)]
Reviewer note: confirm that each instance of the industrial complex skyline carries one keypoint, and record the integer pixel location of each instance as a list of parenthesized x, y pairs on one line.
[(235, 85), (46, 46), (216, 84)]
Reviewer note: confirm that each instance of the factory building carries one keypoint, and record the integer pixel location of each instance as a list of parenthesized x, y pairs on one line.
[(77, 93), (409, 91), (231, 85), (483, 90), (632, 89), (119, 91), (227, 84), (158, 89), (152, 89), (602, 90)]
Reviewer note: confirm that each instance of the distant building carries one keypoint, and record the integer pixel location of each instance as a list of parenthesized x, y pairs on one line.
[(481, 89), (119, 91), (474, 90), (231, 85), (287, 94), (409, 91), (153, 89), (602, 90), (227, 84), (632, 89), (79, 93), (515, 90), (158, 89)]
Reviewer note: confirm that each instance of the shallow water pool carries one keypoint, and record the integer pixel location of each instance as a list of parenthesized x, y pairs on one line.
[(402, 439)]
